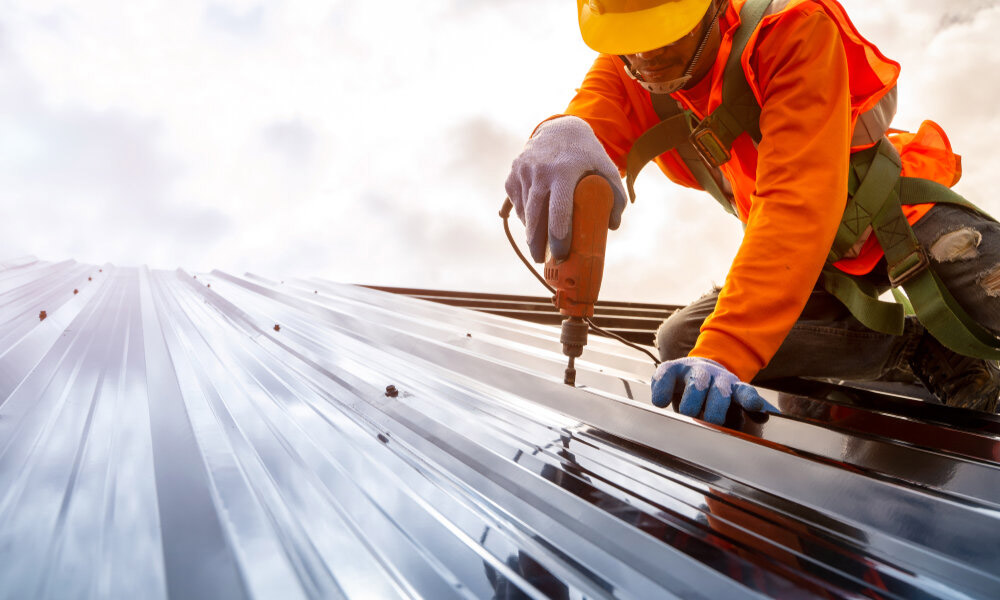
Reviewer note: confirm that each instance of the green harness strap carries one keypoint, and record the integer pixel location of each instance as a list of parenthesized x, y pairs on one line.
[(677, 126), (876, 193), (672, 132), (705, 146)]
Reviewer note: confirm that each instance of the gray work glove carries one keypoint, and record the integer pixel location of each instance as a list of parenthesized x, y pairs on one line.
[(543, 178)]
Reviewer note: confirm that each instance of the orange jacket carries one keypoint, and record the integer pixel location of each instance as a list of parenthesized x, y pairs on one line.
[(813, 75)]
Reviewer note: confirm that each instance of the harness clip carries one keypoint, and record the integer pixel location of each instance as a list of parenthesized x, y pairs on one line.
[(708, 144), (908, 268)]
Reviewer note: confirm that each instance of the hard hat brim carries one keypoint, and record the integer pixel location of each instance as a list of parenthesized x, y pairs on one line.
[(639, 31)]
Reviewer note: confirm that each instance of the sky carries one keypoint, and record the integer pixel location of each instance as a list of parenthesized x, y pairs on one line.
[(369, 142)]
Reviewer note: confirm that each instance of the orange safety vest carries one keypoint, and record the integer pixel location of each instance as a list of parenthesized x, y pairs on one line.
[(818, 82)]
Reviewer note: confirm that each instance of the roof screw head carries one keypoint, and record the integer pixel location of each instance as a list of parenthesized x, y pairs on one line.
[(76, 292), (90, 279), (468, 335), (315, 291), (196, 277), (391, 391), (210, 285), (42, 315), (277, 327), (100, 270), (382, 438)]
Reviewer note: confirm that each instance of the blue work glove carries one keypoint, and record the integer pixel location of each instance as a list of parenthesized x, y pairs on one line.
[(544, 176), (708, 385)]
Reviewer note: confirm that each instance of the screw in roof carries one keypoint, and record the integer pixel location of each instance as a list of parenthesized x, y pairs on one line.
[(76, 292), (42, 315), (277, 327), (391, 391)]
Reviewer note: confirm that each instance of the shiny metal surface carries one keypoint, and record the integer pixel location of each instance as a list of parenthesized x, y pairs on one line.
[(635, 321), (171, 434)]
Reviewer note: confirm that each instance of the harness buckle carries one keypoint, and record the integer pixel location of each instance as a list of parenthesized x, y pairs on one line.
[(709, 145), (909, 267)]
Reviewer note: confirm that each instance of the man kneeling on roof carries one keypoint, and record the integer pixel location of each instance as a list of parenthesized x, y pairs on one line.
[(781, 110)]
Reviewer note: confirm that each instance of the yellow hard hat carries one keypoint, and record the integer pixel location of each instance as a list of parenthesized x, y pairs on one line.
[(631, 26)]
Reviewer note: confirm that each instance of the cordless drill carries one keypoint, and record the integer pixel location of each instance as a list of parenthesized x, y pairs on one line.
[(577, 279)]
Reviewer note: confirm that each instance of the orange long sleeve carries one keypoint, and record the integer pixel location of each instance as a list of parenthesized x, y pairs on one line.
[(801, 191)]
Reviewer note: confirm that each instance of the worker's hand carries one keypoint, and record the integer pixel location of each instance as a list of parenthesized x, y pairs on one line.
[(707, 385), (543, 179)]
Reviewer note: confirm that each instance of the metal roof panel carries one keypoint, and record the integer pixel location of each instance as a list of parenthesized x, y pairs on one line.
[(168, 434)]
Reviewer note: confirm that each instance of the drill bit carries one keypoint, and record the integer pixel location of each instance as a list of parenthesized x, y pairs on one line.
[(570, 378)]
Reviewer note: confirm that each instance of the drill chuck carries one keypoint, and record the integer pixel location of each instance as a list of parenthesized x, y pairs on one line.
[(573, 338)]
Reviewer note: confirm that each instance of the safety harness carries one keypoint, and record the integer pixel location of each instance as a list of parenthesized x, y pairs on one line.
[(876, 193)]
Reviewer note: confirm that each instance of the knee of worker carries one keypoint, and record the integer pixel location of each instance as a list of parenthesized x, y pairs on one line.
[(676, 336)]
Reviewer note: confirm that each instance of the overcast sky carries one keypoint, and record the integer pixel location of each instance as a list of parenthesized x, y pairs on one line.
[(368, 142)]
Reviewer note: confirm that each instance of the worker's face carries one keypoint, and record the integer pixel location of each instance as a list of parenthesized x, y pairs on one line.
[(669, 62)]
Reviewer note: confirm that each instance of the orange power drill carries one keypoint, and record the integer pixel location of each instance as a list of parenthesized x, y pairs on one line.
[(577, 279)]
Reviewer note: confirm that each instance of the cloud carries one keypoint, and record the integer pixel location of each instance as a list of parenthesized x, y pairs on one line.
[(78, 180), (460, 9), (481, 151), (246, 21), (293, 140), (957, 13)]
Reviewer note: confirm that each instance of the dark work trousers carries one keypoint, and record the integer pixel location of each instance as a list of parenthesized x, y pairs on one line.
[(828, 342)]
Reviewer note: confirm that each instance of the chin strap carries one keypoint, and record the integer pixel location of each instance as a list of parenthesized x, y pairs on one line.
[(666, 87), (675, 85)]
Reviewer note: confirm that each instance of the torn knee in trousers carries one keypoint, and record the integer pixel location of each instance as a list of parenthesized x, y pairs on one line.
[(961, 244), (991, 282)]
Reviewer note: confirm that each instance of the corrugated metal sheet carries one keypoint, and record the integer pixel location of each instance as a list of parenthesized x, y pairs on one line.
[(214, 436), (634, 321)]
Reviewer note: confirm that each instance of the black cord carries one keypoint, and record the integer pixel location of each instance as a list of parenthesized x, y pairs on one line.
[(610, 334), (505, 215)]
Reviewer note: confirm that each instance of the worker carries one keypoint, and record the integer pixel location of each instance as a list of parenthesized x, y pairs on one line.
[(781, 110)]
